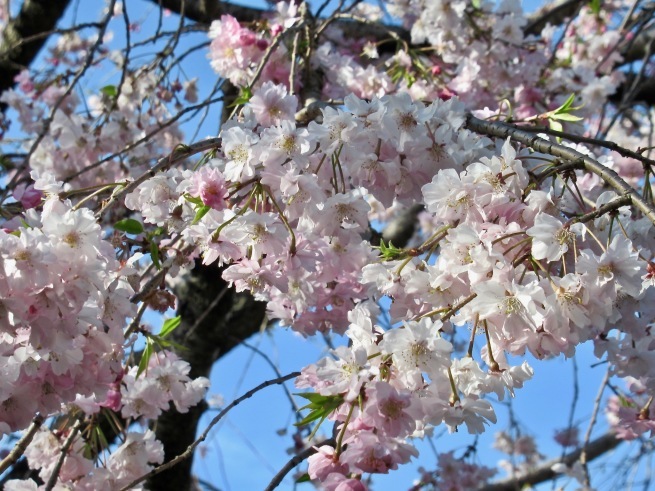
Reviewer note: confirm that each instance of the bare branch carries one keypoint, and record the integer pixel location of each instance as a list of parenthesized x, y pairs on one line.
[(552, 13), (610, 145), (295, 460), (22, 444), (544, 472), (189, 451), (36, 17), (503, 130)]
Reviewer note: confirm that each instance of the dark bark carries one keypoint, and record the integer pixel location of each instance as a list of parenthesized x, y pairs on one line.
[(553, 13), (205, 11), (35, 20), (215, 319)]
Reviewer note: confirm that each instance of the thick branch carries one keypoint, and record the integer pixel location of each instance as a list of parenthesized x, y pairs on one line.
[(215, 319), (502, 130), (553, 13), (36, 17), (184, 456), (544, 472), (205, 11)]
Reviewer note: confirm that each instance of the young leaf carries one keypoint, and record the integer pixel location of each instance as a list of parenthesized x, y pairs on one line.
[(193, 199), (304, 478), (390, 252), (555, 125), (594, 5), (245, 94), (145, 356), (566, 117), (154, 254), (129, 225), (169, 326), (566, 106), (320, 407), (201, 212), (109, 90)]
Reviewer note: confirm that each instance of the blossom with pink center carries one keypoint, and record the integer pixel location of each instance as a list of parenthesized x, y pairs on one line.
[(271, 105), (385, 410), (209, 185), (324, 462)]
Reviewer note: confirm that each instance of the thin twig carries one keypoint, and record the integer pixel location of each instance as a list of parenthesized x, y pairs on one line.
[(64, 452), (179, 154), (22, 444), (294, 461), (585, 444), (503, 130), (48, 121), (189, 451)]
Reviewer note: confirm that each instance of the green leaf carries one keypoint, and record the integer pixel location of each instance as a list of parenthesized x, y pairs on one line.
[(193, 199), (625, 402), (109, 90), (566, 106), (320, 407), (566, 117), (201, 212), (304, 478), (390, 252), (594, 5), (129, 225), (102, 439), (145, 356), (245, 94), (555, 125), (154, 254), (169, 326)]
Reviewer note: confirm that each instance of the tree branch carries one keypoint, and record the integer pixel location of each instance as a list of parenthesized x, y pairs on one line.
[(553, 13), (36, 17), (544, 472), (22, 444), (295, 460), (503, 130), (205, 11), (215, 319), (189, 451)]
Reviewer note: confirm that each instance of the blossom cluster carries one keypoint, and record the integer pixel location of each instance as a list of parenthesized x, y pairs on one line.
[(76, 142), (133, 458), (65, 300), (509, 264)]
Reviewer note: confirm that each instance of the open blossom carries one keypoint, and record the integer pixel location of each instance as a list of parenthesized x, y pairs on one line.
[(324, 462), (166, 380), (136, 456), (272, 105), (209, 185), (368, 452), (386, 410), (418, 346), (294, 211), (344, 375), (618, 264), (550, 238)]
